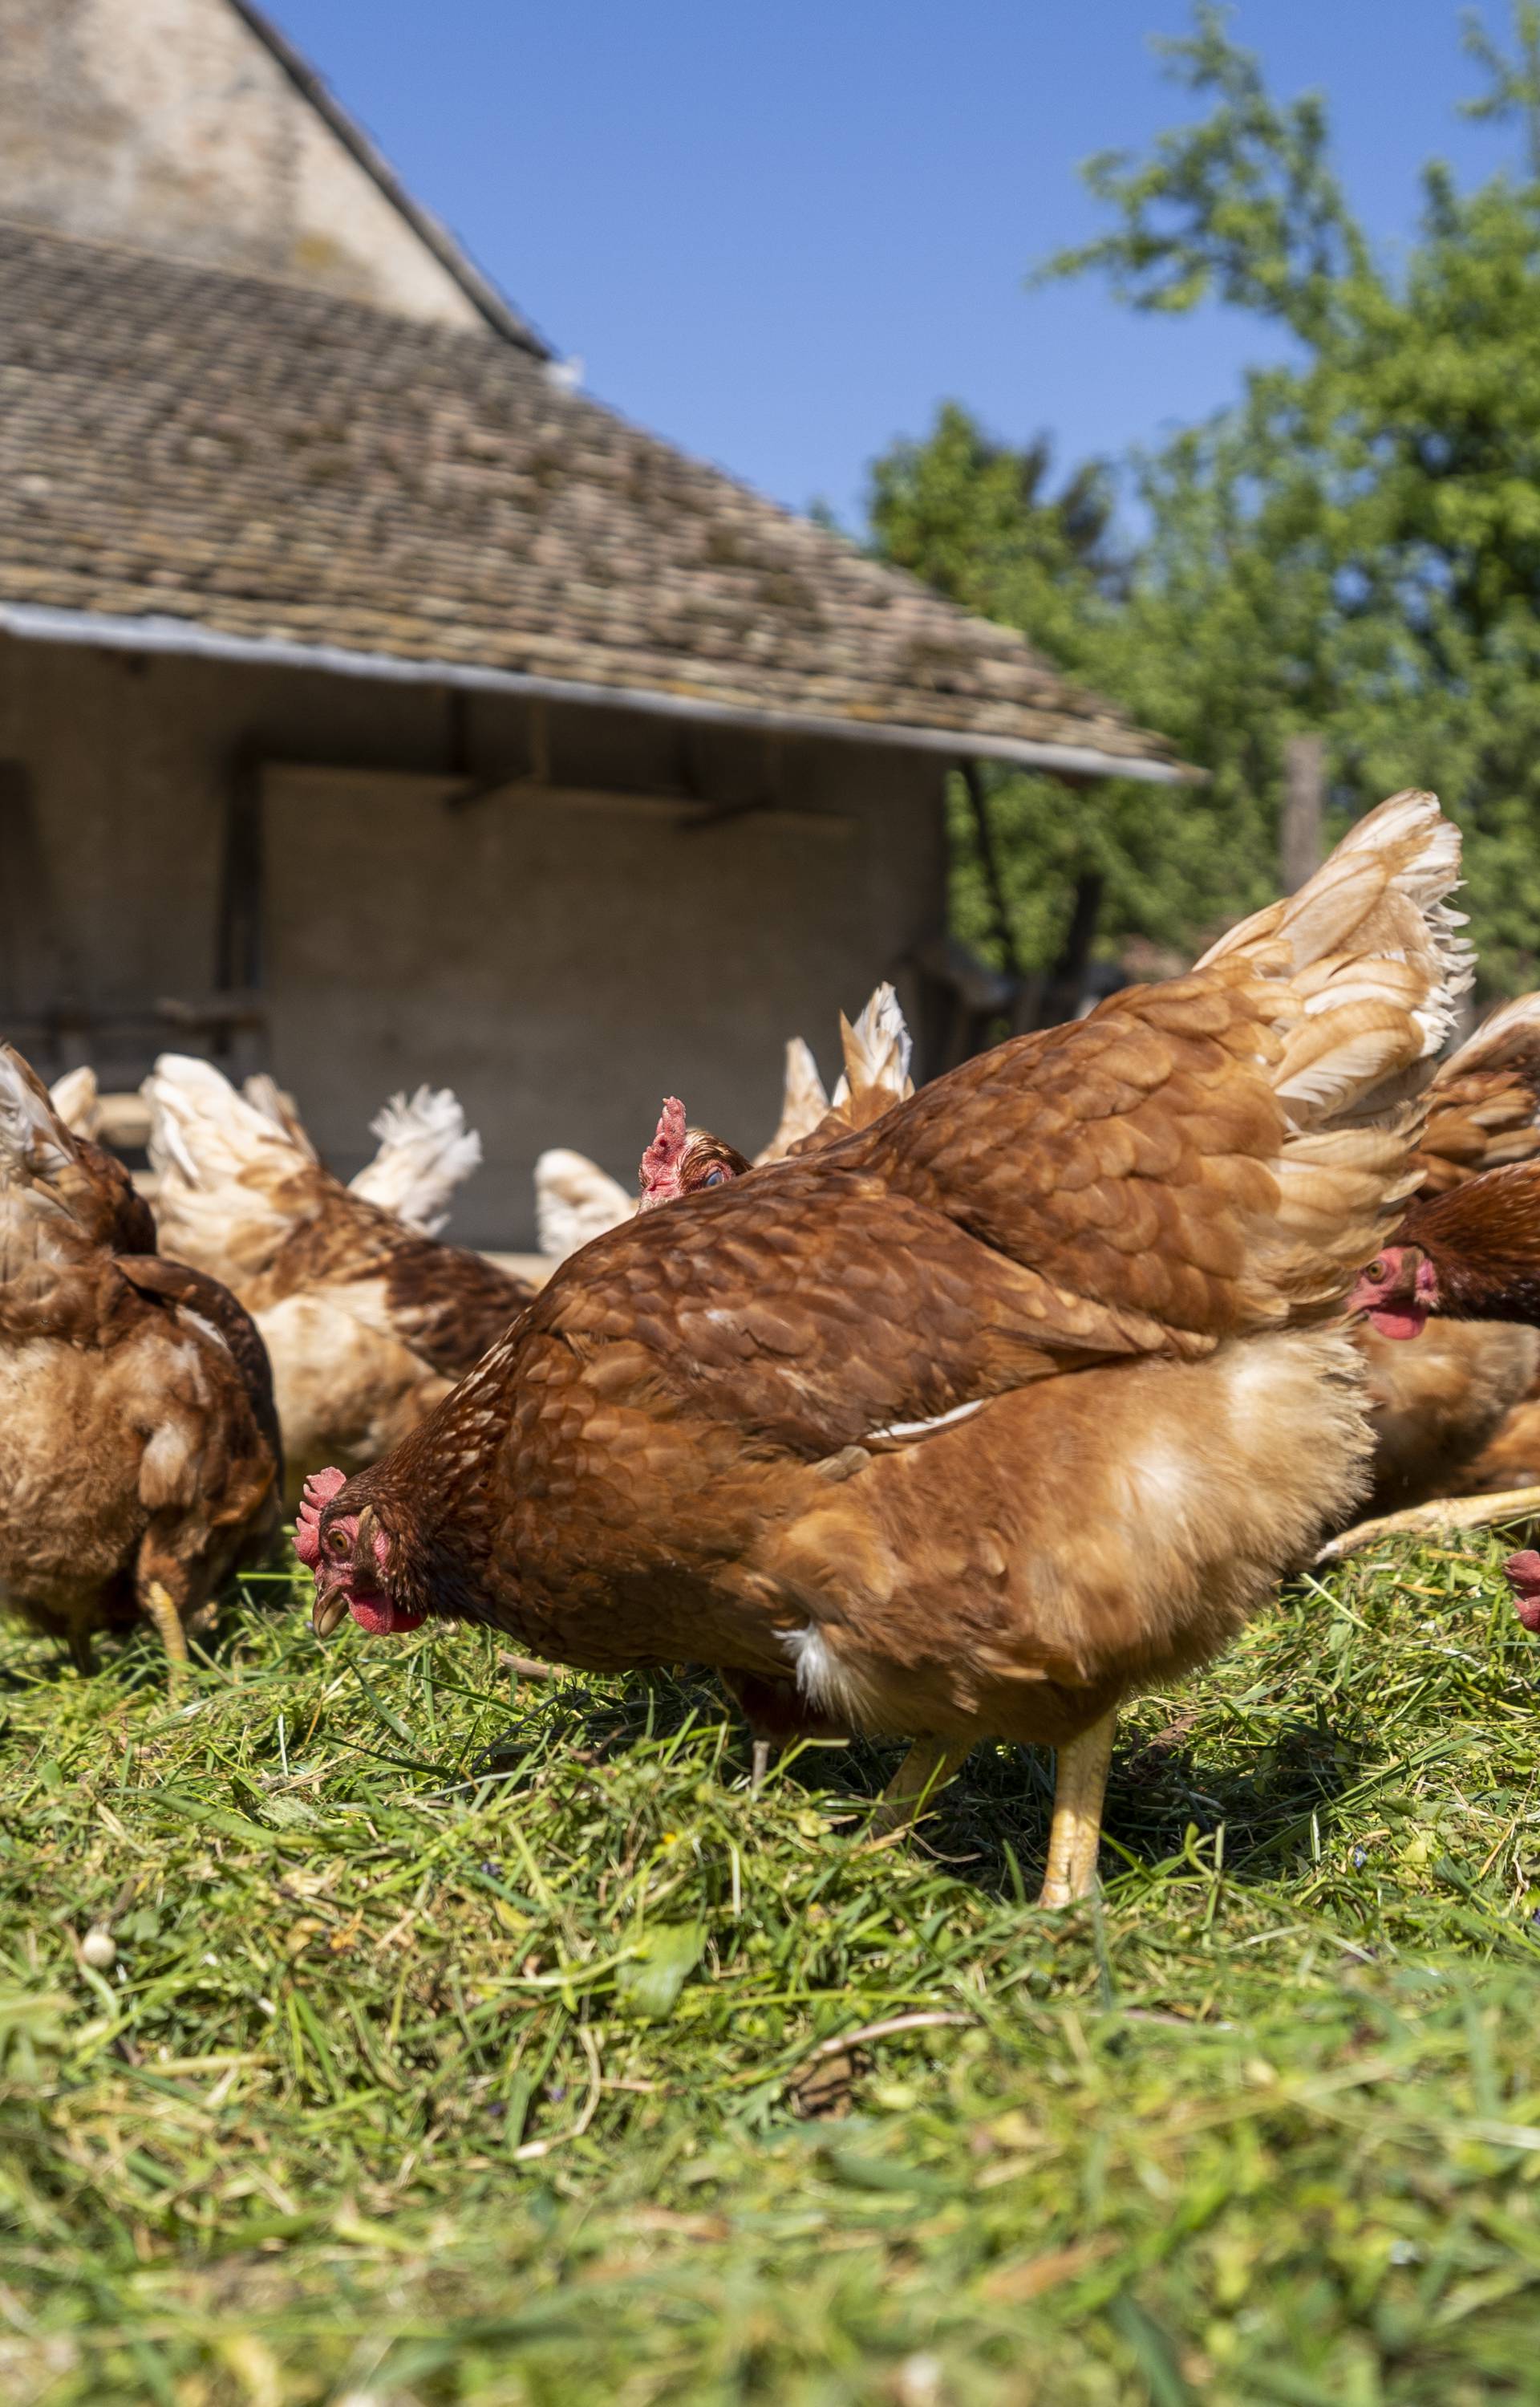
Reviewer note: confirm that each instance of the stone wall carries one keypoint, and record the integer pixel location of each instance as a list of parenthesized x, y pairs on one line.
[(170, 125), (564, 951)]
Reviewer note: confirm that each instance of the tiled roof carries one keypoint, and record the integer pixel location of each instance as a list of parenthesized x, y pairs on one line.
[(225, 461)]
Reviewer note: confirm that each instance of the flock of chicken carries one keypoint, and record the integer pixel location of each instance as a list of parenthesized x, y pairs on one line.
[(956, 1414)]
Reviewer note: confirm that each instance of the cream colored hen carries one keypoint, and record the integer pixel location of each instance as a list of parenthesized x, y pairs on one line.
[(368, 1321)]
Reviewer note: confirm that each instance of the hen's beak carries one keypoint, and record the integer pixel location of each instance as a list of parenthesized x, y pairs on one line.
[(326, 1612)]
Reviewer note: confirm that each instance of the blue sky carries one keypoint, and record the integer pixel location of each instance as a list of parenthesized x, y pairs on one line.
[(780, 235)]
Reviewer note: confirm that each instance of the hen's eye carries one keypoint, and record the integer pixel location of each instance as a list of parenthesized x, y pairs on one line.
[(337, 1541), (717, 1178), (1376, 1271)]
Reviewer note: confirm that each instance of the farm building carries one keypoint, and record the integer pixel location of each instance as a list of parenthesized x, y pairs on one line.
[(376, 707)]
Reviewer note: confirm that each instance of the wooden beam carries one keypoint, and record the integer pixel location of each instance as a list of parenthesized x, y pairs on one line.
[(1067, 976), (990, 859), (35, 963), (239, 937)]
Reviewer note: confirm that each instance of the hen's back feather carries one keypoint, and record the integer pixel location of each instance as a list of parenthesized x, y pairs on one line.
[(576, 1201)]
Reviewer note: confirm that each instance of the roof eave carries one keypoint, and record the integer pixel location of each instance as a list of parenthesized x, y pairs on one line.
[(43, 624)]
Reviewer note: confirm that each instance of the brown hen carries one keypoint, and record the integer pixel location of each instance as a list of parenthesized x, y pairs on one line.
[(985, 1415), (1448, 1411), (139, 1458)]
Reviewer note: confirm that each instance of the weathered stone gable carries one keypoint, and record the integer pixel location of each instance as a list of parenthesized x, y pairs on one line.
[(177, 126)]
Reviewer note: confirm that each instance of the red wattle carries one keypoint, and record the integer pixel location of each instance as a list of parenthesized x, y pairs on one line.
[(1404, 1320), (384, 1620)]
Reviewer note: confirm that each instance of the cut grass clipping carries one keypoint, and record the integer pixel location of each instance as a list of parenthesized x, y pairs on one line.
[(384, 2025)]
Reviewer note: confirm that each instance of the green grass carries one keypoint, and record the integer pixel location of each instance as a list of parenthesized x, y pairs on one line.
[(468, 2042)]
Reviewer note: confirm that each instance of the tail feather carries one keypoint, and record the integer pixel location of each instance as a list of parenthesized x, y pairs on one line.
[(35, 1142), (76, 1101), (1221, 1153), (232, 1182), (575, 1202), (1507, 1039), (1484, 1110), (263, 1092), (426, 1151), (1366, 965), (1372, 926), (60, 1197), (877, 1050), (803, 1104)]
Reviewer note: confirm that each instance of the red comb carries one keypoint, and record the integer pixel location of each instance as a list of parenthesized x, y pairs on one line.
[(319, 1489), (1523, 1575), (663, 1153)]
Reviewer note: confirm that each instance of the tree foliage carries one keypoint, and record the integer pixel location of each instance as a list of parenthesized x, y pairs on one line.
[(1353, 546)]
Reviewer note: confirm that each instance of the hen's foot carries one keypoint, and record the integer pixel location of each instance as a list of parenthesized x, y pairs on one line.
[(1078, 1789), (760, 1765), (166, 1622), (927, 1768), (1446, 1513)]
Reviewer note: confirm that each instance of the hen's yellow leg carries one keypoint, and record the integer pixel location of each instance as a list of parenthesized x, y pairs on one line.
[(927, 1766), (1080, 1786), (166, 1622)]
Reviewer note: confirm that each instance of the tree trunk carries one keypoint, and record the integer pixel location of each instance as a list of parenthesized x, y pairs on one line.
[(1300, 846)]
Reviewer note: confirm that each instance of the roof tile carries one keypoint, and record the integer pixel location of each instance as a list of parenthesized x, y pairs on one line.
[(272, 463)]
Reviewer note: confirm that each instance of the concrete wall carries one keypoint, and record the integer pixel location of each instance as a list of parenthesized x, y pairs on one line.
[(564, 952), (170, 125)]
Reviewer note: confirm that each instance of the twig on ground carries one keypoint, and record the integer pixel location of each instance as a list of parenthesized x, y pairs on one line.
[(1445, 1514), (528, 1667)]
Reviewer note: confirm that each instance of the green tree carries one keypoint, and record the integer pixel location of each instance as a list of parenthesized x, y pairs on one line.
[(1353, 546), (1392, 479), (1181, 633), (974, 518)]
